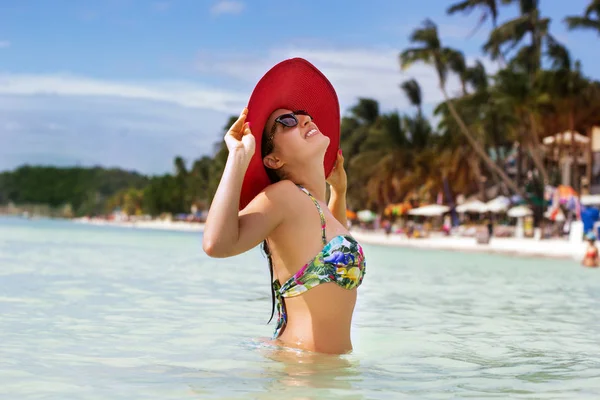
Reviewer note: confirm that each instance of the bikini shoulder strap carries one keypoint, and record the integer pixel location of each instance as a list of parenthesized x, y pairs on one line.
[(323, 235)]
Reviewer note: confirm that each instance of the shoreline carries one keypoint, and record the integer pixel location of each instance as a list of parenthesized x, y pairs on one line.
[(165, 225), (547, 248)]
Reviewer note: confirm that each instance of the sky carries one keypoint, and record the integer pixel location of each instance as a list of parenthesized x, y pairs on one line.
[(132, 83)]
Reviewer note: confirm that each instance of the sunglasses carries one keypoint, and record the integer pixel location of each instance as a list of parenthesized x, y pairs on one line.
[(288, 120)]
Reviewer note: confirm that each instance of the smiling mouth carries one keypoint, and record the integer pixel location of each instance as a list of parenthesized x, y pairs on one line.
[(310, 133)]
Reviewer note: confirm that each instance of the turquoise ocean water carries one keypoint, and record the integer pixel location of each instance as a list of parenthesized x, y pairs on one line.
[(113, 313)]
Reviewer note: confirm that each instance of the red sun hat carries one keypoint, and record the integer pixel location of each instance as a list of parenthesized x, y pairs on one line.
[(293, 84)]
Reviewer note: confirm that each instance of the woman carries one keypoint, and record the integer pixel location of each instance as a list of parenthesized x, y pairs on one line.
[(273, 191), (591, 253)]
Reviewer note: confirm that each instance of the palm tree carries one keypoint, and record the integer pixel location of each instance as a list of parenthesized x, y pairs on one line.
[(458, 65), (489, 10), (356, 130), (366, 111), (413, 93), (587, 21), (568, 110), (180, 168), (524, 68), (513, 90), (511, 33), (487, 119), (181, 175), (198, 181), (380, 163), (394, 155), (420, 136), (431, 52), (455, 160)]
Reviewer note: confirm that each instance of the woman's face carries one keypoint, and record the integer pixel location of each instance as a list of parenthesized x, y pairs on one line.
[(294, 145)]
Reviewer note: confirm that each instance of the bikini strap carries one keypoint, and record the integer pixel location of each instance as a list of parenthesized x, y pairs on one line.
[(323, 235)]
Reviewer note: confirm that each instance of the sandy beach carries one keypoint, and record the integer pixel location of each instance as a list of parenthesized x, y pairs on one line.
[(145, 224), (554, 248)]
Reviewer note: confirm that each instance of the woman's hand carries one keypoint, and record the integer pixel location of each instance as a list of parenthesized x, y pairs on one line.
[(239, 138), (337, 179)]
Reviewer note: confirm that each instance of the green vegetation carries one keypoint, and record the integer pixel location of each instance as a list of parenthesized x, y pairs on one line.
[(85, 190), (488, 134)]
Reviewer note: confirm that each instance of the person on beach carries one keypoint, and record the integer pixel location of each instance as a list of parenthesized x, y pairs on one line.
[(591, 253), (283, 151), (489, 222), (387, 227)]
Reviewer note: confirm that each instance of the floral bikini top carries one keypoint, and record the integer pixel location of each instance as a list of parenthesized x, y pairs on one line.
[(341, 261)]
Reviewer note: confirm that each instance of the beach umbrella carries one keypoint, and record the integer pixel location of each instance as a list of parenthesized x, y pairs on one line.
[(566, 138), (590, 199), (431, 210), (474, 206), (499, 204), (519, 212), (366, 216)]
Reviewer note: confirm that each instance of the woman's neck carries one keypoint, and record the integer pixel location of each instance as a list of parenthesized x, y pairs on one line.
[(312, 178)]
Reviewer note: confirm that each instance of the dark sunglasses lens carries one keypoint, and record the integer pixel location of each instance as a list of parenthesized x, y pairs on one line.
[(288, 120)]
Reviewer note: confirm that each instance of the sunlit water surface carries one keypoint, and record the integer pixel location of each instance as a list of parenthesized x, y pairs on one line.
[(111, 313)]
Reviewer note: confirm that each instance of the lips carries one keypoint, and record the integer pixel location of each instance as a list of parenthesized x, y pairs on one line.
[(310, 133)]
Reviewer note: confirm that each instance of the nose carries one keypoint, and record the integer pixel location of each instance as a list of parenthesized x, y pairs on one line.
[(303, 119)]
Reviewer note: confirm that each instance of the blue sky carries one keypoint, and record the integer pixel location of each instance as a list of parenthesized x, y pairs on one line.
[(133, 83)]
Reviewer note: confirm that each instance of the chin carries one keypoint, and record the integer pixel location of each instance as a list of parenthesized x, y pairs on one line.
[(323, 144), (316, 151)]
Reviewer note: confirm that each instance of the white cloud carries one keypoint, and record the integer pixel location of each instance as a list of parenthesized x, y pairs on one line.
[(130, 133), (11, 126), (62, 119), (4, 44), (227, 7), (180, 93), (354, 72)]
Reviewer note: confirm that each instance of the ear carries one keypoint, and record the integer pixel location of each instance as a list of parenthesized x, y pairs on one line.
[(272, 162)]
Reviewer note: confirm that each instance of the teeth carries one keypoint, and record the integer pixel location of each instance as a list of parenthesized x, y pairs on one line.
[(311, 133)]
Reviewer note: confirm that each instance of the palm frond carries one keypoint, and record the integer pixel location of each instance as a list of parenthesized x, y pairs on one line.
[(583, 23), (558, 54), (463, 6), (510, 33), (412, 90), (414, 55), (426, 35)]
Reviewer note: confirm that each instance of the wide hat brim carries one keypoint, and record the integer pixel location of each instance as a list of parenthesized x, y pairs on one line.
[(293, 84)]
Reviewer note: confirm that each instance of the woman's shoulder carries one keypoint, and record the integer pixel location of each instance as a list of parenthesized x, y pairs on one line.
[(284, 194), (284, 189)]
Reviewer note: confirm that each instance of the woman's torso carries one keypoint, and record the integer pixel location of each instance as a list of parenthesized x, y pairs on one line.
[(320, 318)]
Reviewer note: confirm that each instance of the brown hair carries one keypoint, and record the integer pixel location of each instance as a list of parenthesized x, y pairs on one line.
[(267, 147)]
